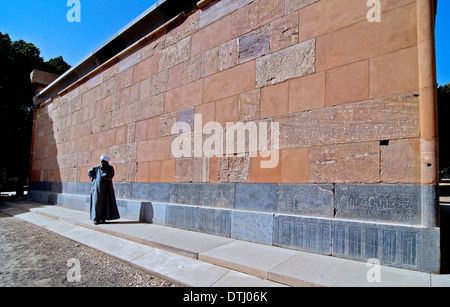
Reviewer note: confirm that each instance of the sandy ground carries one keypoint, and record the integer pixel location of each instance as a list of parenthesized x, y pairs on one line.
[(31, 256)]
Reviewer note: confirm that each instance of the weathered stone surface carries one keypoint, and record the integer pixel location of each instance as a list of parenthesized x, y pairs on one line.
[(234, 169), (256, 197), (192, 69), (192, 170), (306, 199), (284, 32), (254, 44), (296, 61), (216, 10), (210, 62), (252, 226), (306, 234), (175, 54), (294, 5), (249, 105), (400, 161), (393, 245), (187, 193), (218, 195), (123, 153), (181, 216), (379, 119), (183, 28), (356, 162), (398, 203), (166, 121), (228, 54), (130, 61), (211, 221), (186, 116)]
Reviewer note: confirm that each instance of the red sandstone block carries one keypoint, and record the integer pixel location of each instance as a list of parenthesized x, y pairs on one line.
[(207, 111), (274, 100), (400, 161), (154, 171), (230, 82), (175, 76), (348, 83), (363, 40), (294, 165), (154, 149), (261, 174), (145, 69), (141, 130), (153, 128), (226, 110), (345, 163), (211, 36), (188, 95), (307, 93), (168, 170), (142, 172), (394, 73)]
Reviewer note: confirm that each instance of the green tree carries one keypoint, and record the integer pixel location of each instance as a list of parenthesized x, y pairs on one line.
[(17, 60), (444, 130)]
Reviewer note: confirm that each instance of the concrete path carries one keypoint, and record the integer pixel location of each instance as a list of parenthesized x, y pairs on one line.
[(201, 260)]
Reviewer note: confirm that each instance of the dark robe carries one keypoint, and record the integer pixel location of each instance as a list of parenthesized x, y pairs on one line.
[(103, 199)]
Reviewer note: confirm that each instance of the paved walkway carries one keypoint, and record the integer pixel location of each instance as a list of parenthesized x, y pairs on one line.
[(201, 260)]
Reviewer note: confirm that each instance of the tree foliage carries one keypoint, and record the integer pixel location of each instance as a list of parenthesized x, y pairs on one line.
[(17, 60), (444, 130)]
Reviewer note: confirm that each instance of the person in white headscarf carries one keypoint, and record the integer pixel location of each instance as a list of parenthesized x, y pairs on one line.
[(103, 199)]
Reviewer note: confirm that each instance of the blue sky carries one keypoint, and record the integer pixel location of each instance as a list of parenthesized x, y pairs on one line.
[(44, 23)]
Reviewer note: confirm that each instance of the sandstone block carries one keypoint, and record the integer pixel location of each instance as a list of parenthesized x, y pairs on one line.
[(379, 202), (294, 165), (294, 5), (235, 169), (378, 119), (394, 73), (230, 82), (175, 54), (400, 161), (183, 28), (211, 36), (358, 162), (155, 149), (228, 54), (307, 93), (397, 31), (130, 60), (292, 62), (217, 10), (254, 44), (284, 32), (347, 83), (188, 95), (125, 153), (274, 100), (210, 62), (249, 105)]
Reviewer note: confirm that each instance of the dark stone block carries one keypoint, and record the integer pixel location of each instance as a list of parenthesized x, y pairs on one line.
[(218, 195), (303, 233), (379, 202), (306, 199), (256, 197)]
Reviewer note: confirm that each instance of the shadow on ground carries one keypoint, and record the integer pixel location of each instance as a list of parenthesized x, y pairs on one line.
[(445, 238)]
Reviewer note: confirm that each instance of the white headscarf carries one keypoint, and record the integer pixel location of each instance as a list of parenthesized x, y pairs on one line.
[(105, 158)]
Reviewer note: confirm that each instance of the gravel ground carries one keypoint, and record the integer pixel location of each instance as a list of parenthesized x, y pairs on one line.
[(31, 256)]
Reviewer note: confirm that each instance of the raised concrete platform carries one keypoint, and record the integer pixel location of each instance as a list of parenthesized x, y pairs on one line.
[(201, 260)]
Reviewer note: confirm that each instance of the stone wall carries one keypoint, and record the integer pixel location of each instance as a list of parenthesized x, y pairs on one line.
[(335, 165)]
